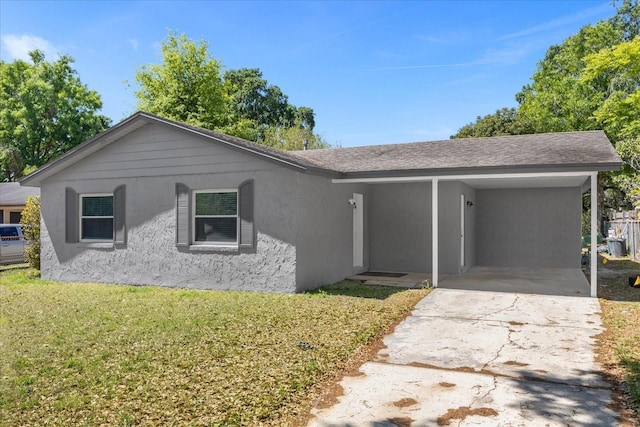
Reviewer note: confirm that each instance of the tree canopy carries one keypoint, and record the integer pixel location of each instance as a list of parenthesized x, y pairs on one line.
[(502, 122), (186, 87), (590, 81), (45, 110), (189, 86)]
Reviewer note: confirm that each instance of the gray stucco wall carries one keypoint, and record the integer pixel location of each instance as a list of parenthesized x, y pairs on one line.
[(470, 227), (400, 227), (150, 255), (535, 227), (449, 220), (324, 249)]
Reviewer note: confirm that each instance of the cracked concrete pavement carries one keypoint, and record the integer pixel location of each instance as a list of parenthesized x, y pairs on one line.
[(482, 358)]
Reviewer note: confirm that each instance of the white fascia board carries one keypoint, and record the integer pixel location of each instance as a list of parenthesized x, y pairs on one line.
[(586, 174), (594, 235)]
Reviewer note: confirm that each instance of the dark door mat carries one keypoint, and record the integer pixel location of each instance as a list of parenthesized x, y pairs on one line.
[(382, 274)]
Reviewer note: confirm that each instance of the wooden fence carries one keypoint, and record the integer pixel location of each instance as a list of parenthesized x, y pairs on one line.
[(629, 230)]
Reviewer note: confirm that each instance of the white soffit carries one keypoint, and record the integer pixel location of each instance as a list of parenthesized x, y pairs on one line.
[(489, 181), (527, 182)]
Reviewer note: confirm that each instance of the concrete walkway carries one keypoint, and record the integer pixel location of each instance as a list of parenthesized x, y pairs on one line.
[(470, 358)]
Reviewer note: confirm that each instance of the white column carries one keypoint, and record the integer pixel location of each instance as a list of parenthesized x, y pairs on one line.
[(594, 234), (434, 232)]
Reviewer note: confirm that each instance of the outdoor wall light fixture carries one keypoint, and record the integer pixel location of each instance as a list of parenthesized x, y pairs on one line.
[(352, 203)]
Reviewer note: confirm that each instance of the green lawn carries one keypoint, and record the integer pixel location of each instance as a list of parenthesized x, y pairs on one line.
[(94, 354), (619, 345)]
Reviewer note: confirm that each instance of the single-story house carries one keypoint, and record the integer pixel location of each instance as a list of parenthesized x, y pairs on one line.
[(13, 199), (155, 201)]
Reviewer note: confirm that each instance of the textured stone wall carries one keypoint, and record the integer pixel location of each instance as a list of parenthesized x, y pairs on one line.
[(151, 257)]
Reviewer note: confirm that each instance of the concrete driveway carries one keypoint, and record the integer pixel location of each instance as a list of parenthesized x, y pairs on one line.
[(468, 358)]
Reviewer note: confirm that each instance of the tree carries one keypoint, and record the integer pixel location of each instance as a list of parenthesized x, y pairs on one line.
[(262, 107), (557, 100), (618, 69), (30, 222), (503, 122), (251, 97), (45, 110), (293, 138), (187, 85), (11, 163), (589, 81)]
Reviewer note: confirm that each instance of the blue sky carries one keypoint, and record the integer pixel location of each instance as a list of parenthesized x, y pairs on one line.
[(374, 72)]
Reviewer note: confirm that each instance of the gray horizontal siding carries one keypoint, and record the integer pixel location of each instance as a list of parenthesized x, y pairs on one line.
[(155, 151)]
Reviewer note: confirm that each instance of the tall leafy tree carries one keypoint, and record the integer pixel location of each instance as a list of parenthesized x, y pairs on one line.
[(293, 138), (186, 86), (558, 100), (251, 97), (589, 81), (189, 86), (265, 107), (618, 70), (45, 110), (504, 121)]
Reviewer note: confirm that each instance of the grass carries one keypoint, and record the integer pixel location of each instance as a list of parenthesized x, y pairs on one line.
[(619, 345), (95, 354)]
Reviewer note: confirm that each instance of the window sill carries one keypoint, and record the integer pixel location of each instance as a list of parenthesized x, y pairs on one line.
[(212, 248), (95, 245)]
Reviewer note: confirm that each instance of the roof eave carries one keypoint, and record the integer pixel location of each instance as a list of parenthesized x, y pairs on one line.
[(287, 162), (128, 125), (593, 167), (81, 151)]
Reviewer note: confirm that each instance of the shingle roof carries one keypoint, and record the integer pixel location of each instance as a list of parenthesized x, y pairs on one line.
[(12, 194), (286, 156), (570, 149), (590, 150)]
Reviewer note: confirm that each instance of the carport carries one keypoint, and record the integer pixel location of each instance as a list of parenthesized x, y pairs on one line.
[(511, 232), (464, 212), (525, 248)]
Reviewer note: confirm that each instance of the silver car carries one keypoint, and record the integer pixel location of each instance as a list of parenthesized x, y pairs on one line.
[(12, 244)]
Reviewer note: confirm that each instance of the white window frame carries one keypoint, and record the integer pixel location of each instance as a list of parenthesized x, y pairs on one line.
[(236, 216), (81, 217)]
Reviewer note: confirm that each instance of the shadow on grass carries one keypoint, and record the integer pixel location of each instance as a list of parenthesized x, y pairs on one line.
[(13, 267), (356, 289)]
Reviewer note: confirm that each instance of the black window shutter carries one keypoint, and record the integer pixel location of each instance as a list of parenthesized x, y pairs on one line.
[(246, 214), (119, 215), (71, 216), (182, 215)]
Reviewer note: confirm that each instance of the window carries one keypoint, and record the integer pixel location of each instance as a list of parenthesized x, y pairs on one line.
[(96, 217), (215, 217), (14, 217)]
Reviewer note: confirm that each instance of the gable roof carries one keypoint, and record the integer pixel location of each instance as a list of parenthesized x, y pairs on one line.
[(589, 150), (140, 119), (12, 194)]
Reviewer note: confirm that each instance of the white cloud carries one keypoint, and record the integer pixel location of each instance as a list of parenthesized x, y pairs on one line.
[(134, 44), (19, 46), (580, 16)]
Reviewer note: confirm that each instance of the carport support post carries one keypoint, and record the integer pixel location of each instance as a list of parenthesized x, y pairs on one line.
[(434, 232), (594, 234)]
